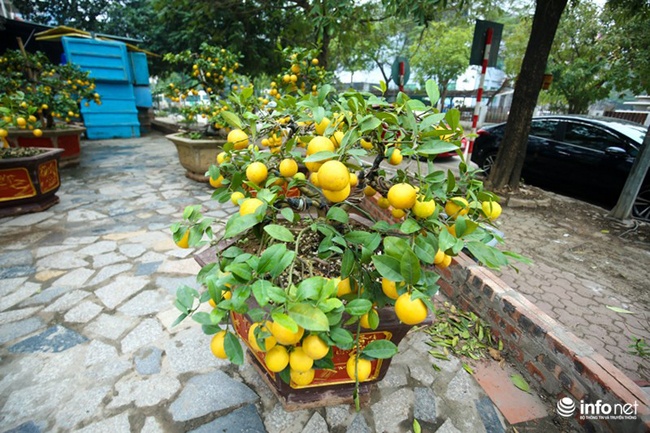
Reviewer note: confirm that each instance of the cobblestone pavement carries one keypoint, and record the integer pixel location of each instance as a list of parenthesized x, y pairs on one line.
[(577, 272), (86, 292)]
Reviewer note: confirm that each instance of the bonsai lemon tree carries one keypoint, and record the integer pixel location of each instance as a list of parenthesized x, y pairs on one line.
[(303, 258), (33, 92)]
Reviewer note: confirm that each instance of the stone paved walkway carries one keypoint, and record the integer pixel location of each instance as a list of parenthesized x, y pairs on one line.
[(86, 292)]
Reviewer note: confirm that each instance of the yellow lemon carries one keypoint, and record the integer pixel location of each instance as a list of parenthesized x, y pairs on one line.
[(39, 133), (398, 213), (491, 209), (322, 126), (314, 347), (452, 230), (295, 69), (3, 133), (21, 121), (269, 342), (365, 321), (299, 360), (302, 378), (396, 158), (337, 138), (369, 191), (401, 196), (445, 262), (440, 256), (216, 183), (235, 197), (277, 359), (390, 288), (313, 178), (239, 138), (334, 176), (216, 345), (410, 312), (314, 62), (284, 335), (288, 167), (249, 206), (454, 210), (184, 242), (364, 368), (354, 180), (366, 144), (319, 144), (256, 172), (344, 287), (337, 196), (383, 203), (424, 209)]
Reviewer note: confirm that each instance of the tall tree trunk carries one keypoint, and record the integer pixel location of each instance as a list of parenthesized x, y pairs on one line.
[(322, 57), (512, 152), (623, 207)]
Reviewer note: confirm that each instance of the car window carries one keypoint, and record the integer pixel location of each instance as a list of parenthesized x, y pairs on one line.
[(591, 137), (543, 128)]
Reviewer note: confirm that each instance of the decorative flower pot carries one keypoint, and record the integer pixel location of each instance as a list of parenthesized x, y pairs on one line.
[(68, 139), (29, 184), (196, 156)]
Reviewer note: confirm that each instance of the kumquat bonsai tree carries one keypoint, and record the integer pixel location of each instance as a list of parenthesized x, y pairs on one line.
[(303, 260), (33, 92)]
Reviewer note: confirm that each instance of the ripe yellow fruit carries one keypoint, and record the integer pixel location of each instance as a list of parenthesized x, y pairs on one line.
[(21, 121), (445, 262), (401, 196), (269, 342), (320, 144), (337, 138), (314, 62), (365, 321), (454, 210), (398, 213), (239, 139), (396, 158), (452, 230), (3, 133), (249, 206), (440, 256), (235, 197), (185, 240), (288, 167), (295, 69), (344, 287), (216, 183), (302, 378), (366, 144), (256, 172), (313, 166), (284, 335), (322, 126), (337, 196), (216, 345), (491, 209), (369, 191), (277, 359), (383, 203), (31, 119), (333, 176), (390, 288), (314, 347), (364, 368), (354, 180), (294, 78), (299, 360), (410, 312), (424, 209), (37, 133), (313, 178)]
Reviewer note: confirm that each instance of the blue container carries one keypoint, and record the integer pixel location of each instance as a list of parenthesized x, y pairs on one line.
[(106, 60), (139, 68), (143, 97)]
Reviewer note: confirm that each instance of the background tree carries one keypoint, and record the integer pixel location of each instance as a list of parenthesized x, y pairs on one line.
[(83, 14), (442, 55)]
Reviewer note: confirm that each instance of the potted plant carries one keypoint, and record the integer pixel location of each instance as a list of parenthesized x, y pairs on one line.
[(29, 179), (39, 101), (213, 69), (319, 291)]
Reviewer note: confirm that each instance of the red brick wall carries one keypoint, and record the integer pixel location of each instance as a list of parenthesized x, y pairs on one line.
[(544, 351)]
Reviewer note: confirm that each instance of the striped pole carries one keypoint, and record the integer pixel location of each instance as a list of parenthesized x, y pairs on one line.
[(479, 95)]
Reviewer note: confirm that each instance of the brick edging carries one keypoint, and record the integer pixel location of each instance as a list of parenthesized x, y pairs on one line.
[(546, 352)]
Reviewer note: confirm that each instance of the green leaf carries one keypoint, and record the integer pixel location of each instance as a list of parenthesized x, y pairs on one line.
[(309, 317), (338, 214), (342, 337), (380, 349), (410, 267), (276, 294), (179, 319), (239, 224), (520, 382), (369, 124), (432, 91), (358, 307), (416, 426), (468, 368), (233, 349), (310, 288), (321, 156), (288, 214), (202, 318), (431, 120), (446, 240), (232, 119), (619, 310), (453, 118), (270, 257), (388, 267), (260, 291), (280, 233), (424, 250), (436, 147), (409, 226), (395, 247), (347, 263), (286, 321)]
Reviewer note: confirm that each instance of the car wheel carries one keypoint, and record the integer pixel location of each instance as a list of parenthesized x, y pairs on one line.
[(488, 162), (641, 207)]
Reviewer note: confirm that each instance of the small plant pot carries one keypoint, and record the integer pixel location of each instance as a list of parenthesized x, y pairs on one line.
[(68, 139), (196, 156), (29, 184)]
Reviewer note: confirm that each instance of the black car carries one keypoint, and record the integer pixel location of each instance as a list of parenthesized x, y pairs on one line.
[(584, 155)]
